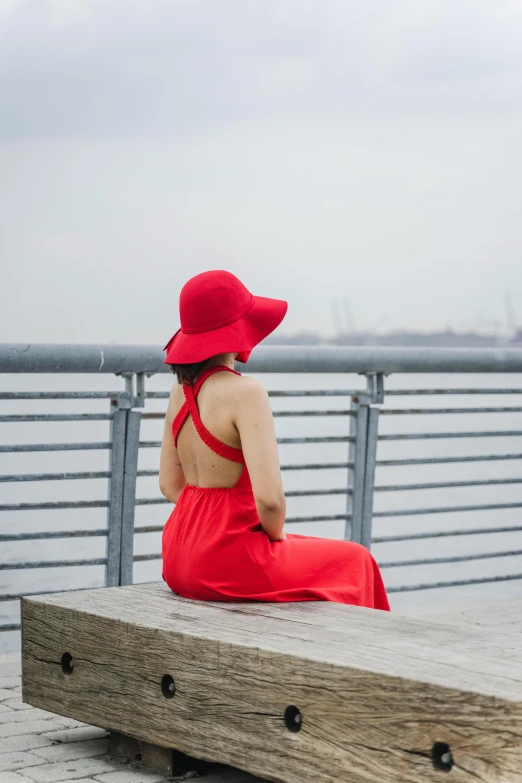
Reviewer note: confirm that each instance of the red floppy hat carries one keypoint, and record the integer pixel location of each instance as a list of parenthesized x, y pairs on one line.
[(218, 314)]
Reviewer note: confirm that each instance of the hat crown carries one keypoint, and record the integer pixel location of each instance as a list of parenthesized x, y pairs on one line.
[(212, 299)]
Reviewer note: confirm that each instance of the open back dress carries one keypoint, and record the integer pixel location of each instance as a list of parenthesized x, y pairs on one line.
[(215, 549)]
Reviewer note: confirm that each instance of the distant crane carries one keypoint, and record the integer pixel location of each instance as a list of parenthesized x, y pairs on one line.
[(511, 325), (348, 314), (337, 317), (344, 320)]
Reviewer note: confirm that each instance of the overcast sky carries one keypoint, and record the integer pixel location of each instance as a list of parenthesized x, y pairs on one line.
[(369, 151)]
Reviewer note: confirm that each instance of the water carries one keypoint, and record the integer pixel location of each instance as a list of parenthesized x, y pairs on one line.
[(89, 576)]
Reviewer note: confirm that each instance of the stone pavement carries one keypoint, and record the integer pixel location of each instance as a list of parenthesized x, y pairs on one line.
[(40, 747)]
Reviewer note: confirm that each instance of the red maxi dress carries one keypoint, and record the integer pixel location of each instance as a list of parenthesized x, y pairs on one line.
[(215, 549)]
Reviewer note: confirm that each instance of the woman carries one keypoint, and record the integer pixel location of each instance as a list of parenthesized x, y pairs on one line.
[(225, 539)]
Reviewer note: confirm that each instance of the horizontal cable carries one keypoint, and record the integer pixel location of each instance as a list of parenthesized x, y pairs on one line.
[(52, 564), (386, 463), (320, 466), (156, 444), (459, 583), (326, 439), (16, 596), (152, 501), (119, 395), (53, 447), (277, 414), (291, 520), (453, 559), (430, 411), (53, 534), (317, 393), (142, 558), (94, 474), (478, 531), (305, 492), (420, 392), (304, 466), (57, 417), (447, 484), (291, 494), (150, 444), (280, 414), (164, 395), (10, 627), (444, 435), (54, 505), (331, 518), (445, 509)]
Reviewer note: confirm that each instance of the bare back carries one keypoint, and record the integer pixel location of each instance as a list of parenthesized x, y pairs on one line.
[(217, 402), (235, 413)]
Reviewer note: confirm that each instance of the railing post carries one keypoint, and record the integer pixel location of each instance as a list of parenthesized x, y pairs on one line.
[(364, 456), (375, 396), (369, 478), (132, 445), (359, 453), (117, 462), (125, 438), (348, 526)]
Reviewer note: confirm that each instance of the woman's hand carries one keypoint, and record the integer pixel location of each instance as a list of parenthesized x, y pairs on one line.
[(282, 537)]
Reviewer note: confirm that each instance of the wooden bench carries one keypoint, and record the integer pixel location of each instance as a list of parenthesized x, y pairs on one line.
[(291, 692)]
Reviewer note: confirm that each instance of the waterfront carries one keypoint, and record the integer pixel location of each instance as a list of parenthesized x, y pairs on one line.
[(94, 518)]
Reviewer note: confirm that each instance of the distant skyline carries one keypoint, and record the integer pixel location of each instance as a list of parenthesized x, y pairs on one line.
[(367, 152)]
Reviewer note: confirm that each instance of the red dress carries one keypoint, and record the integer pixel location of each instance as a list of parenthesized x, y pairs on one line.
[(215, 549)]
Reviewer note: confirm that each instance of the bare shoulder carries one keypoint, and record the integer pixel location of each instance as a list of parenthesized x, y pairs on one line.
[(176, 399), (176, 393), (251, 400), (236, 391), (239, 386), (251, 389)]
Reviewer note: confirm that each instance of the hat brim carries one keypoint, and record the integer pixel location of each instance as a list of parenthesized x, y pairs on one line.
[(258, 322)]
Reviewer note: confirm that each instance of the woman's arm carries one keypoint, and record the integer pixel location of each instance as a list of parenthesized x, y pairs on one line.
[(171, 476), (255, 424)]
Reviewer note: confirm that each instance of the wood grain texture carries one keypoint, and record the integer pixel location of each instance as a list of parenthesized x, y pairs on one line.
[(504, 616), (375, 690)]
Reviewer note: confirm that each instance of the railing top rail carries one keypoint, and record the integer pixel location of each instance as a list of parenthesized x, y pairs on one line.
[(71, 358)]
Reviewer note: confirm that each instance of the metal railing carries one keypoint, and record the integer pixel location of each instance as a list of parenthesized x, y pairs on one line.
[(357, 436)]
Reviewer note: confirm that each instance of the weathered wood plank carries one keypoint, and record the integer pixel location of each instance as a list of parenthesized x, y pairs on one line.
[(399, 629), (376, 692), (346, 635), (499, 616)]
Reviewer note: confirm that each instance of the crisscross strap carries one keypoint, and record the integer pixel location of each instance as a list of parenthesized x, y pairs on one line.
[(190, 406)]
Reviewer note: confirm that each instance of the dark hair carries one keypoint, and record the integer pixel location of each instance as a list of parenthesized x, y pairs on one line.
[(187, 373)]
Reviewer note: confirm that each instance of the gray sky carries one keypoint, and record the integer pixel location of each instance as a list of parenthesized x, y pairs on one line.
[(315, 148)]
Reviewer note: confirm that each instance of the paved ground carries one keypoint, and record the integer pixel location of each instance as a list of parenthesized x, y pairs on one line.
[(40, 747)]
